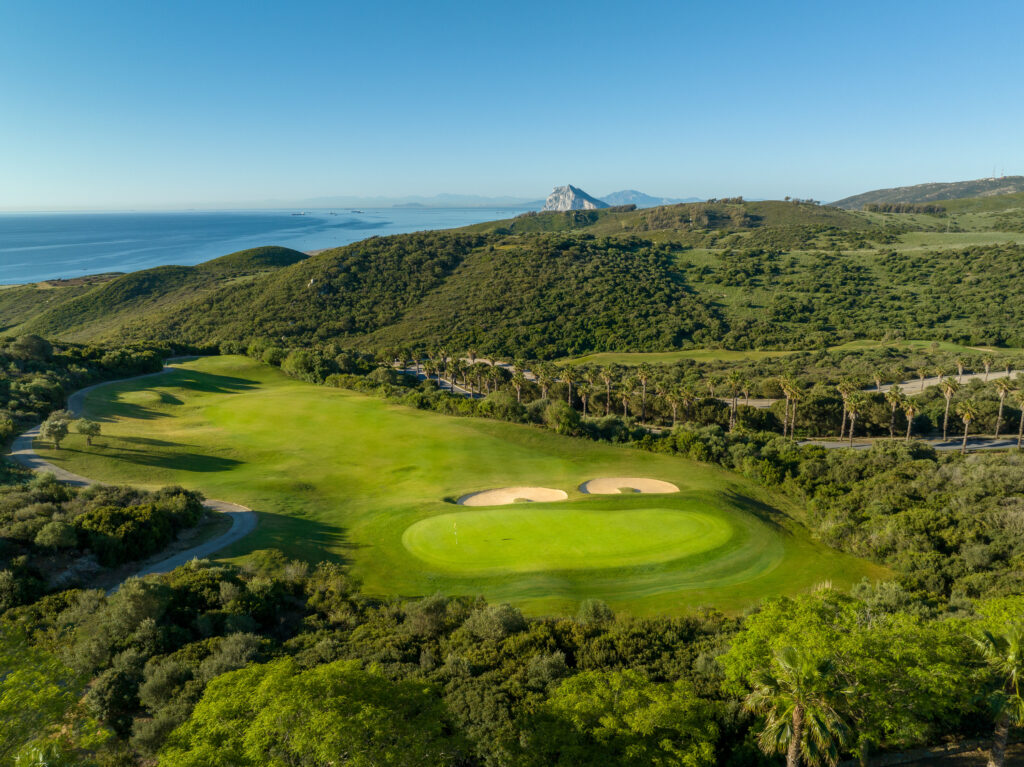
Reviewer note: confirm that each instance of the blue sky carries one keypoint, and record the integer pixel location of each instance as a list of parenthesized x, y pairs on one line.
[(165, 105)]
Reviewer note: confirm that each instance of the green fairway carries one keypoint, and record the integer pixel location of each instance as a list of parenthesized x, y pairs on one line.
[(342, 476)]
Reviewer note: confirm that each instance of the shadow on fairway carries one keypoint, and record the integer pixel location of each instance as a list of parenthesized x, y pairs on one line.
[(183, 461), (767, 514), (296, 538), (118, 410), (210, 382)]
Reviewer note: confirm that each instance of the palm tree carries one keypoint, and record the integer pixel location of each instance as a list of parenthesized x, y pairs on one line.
[(629, 384), (855, 408), (583, 392), (624, 398), (687, 396), (711, 382), (643, 374), (1003, 387), (800, 716), (544, 380), (968, 412), (910, 409), (788, 387), (734, 381), (986, 362), (569, 377), (745, 388), (1018, 400), (895, 399), (877, 375), (673, 398), (949, 388), (845, 388), (1004, 654), (922, 373), (960, 364), (518, 382), (443, 357), (607, 376)]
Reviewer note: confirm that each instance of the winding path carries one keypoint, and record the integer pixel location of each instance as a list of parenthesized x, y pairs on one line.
[(243, 519)]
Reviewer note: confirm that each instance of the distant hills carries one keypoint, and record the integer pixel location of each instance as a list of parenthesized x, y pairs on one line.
[(641, 200), (982, 187), (569, 197), (624, 197)]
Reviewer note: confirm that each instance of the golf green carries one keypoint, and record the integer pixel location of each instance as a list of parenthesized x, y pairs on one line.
[(336, 475), (543, 538)]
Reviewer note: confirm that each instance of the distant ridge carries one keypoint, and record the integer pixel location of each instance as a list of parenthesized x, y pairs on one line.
[(955, 190), (641, 200), (569, 197)]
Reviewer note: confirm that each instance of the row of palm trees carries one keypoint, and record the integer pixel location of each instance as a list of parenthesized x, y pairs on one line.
[(855, 401), (604, 386)]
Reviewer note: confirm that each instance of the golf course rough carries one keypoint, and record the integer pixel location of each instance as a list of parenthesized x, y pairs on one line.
[(336, 475)]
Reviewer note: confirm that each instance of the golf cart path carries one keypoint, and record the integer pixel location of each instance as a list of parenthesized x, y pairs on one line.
[(243, 519)]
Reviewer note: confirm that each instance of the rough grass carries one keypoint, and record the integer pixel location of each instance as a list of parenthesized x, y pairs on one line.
[(342, 476)]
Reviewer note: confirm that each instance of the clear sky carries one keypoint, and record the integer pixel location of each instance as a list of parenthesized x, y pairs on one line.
[(172, 104)]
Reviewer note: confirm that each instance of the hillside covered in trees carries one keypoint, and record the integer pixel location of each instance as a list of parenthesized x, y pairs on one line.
[(743, 275)]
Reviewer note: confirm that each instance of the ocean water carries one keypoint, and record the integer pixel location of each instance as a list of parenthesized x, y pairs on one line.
[(46, 246)]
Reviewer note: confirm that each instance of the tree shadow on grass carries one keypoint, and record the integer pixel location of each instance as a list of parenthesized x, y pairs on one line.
[(119, 410), (296, 538), (211, 383), (184, 379), (768, 514), (177, 461)]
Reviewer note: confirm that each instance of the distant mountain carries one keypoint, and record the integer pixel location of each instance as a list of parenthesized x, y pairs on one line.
[(571, 198), (641, 200), (955, 190)]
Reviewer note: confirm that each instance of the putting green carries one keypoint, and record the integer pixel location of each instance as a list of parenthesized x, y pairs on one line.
[(341, 476), (533, 539)]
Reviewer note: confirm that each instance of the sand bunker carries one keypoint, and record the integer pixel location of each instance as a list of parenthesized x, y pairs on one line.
[(612, 485), (503, 495)]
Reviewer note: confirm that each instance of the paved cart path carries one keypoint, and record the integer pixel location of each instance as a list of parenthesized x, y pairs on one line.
[(243, 519)]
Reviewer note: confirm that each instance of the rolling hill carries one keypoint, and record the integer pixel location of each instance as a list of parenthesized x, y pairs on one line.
[(743, 275), (78, 314), (982, 187)]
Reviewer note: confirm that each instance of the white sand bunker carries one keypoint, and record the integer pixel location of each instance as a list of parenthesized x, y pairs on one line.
[(503, 495), (613, 485)]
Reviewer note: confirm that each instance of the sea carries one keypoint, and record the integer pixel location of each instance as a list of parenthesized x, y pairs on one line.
[(48, 246)]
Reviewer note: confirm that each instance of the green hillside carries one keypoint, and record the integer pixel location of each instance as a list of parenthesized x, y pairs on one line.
[(101, 310), (982, 187), (726, 273)]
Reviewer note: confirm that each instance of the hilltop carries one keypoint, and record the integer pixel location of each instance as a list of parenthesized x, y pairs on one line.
[(85, 312), (982, 187), (571, 198), (641, 200)]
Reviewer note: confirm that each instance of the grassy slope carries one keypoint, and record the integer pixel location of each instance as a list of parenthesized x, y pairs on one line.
[(103, 309), (936, 192), (20, 304), (336, 474)]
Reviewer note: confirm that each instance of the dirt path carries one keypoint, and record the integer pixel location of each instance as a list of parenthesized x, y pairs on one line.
[(243, 519)]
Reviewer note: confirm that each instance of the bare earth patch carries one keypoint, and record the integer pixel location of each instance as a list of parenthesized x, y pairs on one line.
[(613, 485), (505, 495)]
